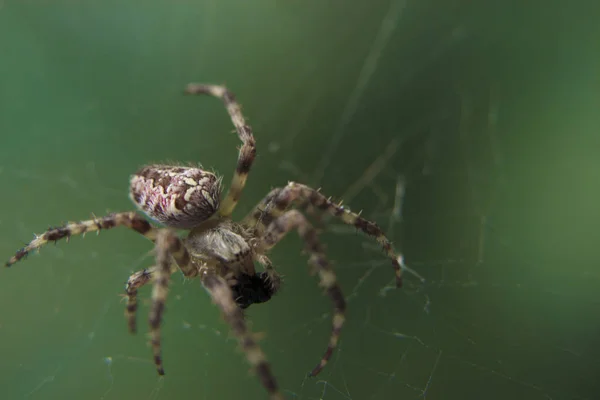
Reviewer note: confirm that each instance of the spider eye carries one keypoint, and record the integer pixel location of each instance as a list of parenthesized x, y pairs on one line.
[(178, 197)]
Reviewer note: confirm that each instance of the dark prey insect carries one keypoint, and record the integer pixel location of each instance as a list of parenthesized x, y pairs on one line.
[(218, 250)]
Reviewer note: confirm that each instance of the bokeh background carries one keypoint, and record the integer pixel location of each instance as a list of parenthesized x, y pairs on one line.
[(468, 130)]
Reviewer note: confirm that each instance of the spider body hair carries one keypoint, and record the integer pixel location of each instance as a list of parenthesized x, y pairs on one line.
[(227, 247), (188, 197)]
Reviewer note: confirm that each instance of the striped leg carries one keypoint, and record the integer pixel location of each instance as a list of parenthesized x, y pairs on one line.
[(276, 230), (278, 200), (128, 219), (273, 277), (223, 297), (136, 281), (168, 245), (244, 131)]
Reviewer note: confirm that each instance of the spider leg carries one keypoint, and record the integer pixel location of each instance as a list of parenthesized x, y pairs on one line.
[(273, 277), (246, 153), (276, 230), (168, 245), (136, 281), (222, 296), (280, 199), (128, 219)]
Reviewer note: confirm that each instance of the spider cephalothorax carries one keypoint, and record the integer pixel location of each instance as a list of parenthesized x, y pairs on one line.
[(221, 252)]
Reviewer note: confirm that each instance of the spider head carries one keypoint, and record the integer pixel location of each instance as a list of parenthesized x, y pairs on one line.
[(252, 289), (178, 197)]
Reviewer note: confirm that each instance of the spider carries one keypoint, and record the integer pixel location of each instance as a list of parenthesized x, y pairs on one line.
[(221, 252)]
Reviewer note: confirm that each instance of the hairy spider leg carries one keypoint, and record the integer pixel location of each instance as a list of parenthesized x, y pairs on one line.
[(136, 281), (273, 276), (145, 276), (222, 296), (167, 244), (279, 199), (276, 230), (246, 153), (128, 219)]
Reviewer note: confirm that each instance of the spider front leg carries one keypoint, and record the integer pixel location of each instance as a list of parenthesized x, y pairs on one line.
[(222, 295), (271, 276), (280, 199), (168, 245), (136, 281), (244, 131), (128, 219), (276, 230)]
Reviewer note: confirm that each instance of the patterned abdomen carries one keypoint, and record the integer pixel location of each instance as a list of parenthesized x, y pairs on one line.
[(178, 197)]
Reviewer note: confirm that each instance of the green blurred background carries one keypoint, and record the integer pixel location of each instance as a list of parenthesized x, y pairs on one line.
[(487, 111)]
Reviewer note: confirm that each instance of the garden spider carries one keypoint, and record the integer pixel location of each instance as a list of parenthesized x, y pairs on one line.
[(218, 250)]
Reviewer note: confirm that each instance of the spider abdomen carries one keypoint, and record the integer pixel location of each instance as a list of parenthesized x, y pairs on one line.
[(178, 197)]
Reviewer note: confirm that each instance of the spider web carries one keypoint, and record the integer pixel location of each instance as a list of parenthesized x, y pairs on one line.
[(462, 332), (482, 315)]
